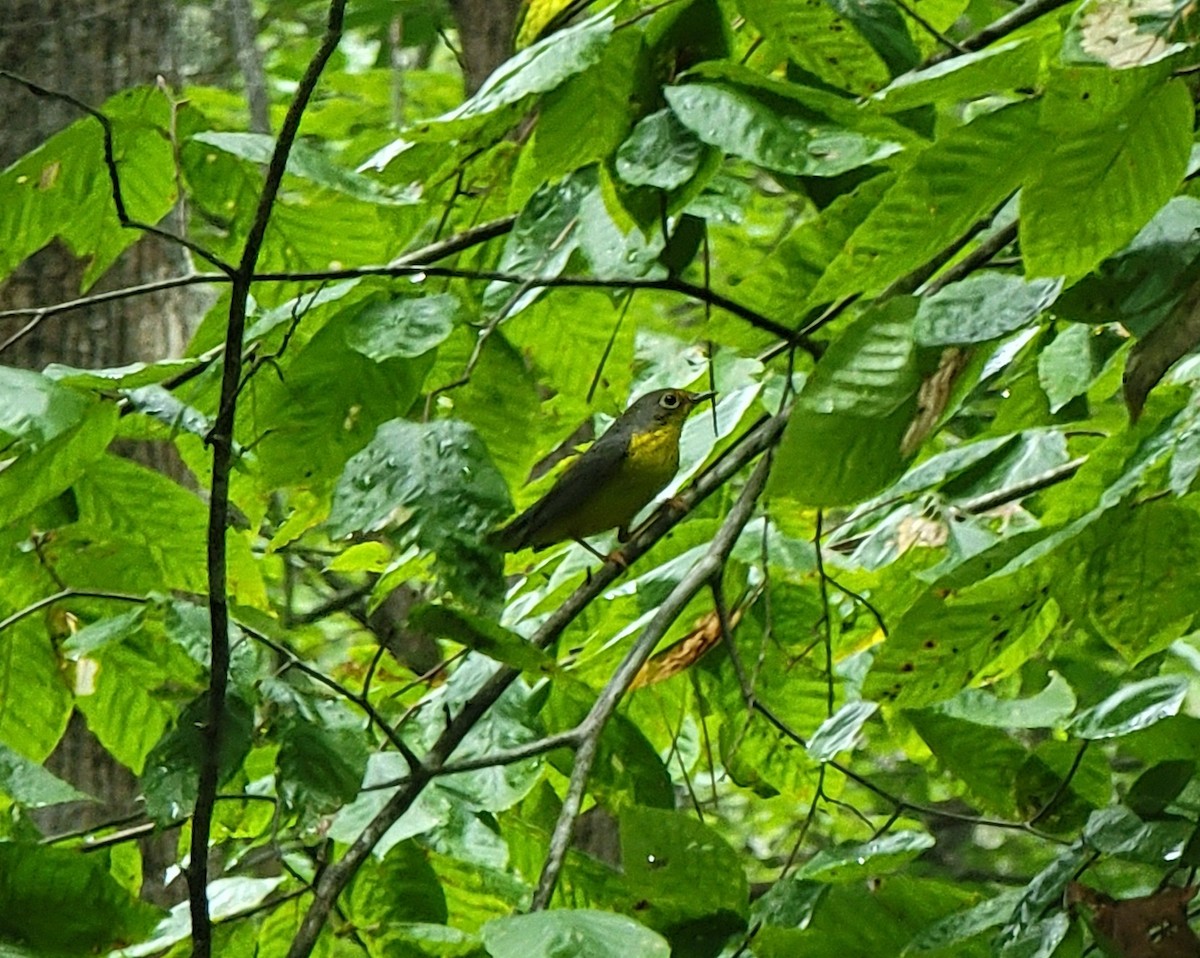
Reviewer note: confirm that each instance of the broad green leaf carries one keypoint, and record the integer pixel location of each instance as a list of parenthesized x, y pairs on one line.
[(584, 120), (541, 67), (821, 38), (307, 163), (944, 642), (480, 634), (34, 408), (400, 887), (62, 188), (61, 902), (1135, 706), (1039, 939), (985, 760), (964, 925), (37, 477), (433, 485), (1119, 832), (172, 767), (401, 328), (875, 917), (840, 732), (1042, 893), (1047, 709), (1141, 574), (1007, 66), (855, 861), (843, 441), (982, 307), (29, 784), (660, 152), (776, 138), (1110, 172), (162, 405), (583, 934), (691, 880), (1159, 786), (323, 751), (1065, 365), (960, 179), (129, 376), (137, 532), (37, 702)]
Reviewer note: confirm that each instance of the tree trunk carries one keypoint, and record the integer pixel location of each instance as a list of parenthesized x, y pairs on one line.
[(485, 30), (90, 51)]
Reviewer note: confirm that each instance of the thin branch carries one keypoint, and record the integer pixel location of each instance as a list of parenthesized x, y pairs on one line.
[(707, 569), (67, 594), (1010, 22), (114, 179), (222, 442)]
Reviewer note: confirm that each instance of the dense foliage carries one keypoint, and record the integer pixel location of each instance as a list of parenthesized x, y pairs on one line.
[(922, 613)]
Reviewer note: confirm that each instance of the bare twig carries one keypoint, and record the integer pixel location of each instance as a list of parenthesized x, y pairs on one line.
[(1026, 13)]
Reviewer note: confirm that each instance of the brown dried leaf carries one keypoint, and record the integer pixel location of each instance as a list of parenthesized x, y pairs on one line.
[(705, 633), (1158, 350), (933, 397), (1154, 926)]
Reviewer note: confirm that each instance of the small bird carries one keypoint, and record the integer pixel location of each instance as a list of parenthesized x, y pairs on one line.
[(613, 480)]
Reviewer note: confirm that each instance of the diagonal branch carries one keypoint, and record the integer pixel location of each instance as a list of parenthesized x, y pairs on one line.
[(710, 566)]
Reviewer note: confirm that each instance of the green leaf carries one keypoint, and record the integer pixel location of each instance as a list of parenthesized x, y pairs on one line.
[(953, 184), (308, 163), (1007, 66), (36, 703), (775, 135), (581, 934), (399, 888), (840, 731), (1141, 575), (541, 67), (480, 634), (1038, 939), (1159, 786), (401, 328), (34, 409), (843, 441), (36, 478), (1113, 170), (692, 882), (1047, 709), (821, 39), (855, 861), (1065, 365), (1118, 832), (960, 927), (982, 307), (29, 784), (985, 760), (322, 757), (433, 484), (660, 152), (1136, 706), (129, 376), (57, 901), (62, 188), (172, 767)]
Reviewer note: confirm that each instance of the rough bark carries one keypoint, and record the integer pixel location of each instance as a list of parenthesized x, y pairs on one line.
[(90, 51)]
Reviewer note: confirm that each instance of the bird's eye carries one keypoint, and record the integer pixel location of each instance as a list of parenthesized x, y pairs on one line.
[(669, 401)]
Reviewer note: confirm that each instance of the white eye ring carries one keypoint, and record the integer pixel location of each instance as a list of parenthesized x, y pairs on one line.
[(669, 401)]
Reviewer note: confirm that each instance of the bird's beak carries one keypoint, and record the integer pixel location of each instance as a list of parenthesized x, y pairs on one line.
[(697, 398)]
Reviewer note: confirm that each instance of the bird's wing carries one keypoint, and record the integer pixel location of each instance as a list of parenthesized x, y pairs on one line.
[(598, 464)]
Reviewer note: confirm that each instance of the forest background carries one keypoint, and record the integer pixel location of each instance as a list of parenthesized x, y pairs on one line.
[(907, 665)]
